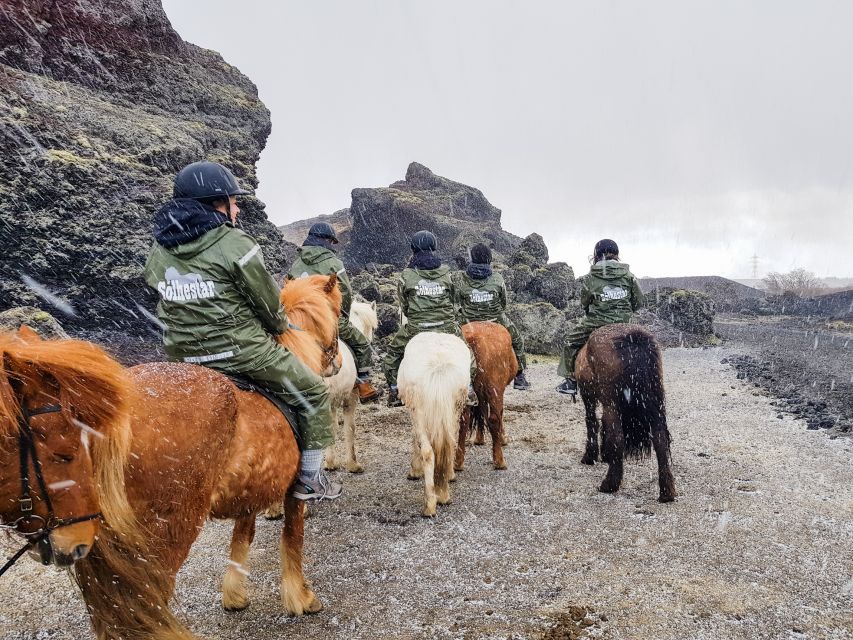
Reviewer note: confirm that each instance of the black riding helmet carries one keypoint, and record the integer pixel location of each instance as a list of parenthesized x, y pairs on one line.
[(423, 241), (323, 230), (603, 248), (204, 180)]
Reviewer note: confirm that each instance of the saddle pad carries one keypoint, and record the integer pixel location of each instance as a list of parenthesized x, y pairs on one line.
[(287, 411)]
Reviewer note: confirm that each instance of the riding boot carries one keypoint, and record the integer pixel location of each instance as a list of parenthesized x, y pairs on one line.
[(394, 398), (520, 382), (568, 387), (366, 391)]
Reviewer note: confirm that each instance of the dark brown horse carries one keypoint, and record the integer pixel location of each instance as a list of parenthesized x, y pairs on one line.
[(496, 367), (620, 368)]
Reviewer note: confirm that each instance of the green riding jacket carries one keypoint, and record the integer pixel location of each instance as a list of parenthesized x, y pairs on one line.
[(480, 299), (217, 300), (426, 296), (610, 293), (319, 260)]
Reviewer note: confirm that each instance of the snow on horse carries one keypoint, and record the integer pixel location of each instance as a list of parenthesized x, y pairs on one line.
[(433, 382), (343, 396), (496, 368), (185, 444), (621, 368)]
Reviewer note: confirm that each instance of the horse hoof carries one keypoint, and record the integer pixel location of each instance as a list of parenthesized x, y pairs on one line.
[(331, 466), (500, 466), (238, 605), (606, 488), (479, 442), (274, 513), (428, 513), (315, 606), (355, 468), (588, 460), (414, 476), (666, 498)]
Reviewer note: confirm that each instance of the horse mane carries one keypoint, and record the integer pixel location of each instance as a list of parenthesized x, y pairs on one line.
[(363, 317), (94, 393), (312, 305)]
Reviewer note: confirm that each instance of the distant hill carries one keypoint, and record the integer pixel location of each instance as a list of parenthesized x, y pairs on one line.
[(377, 226), (724, 291)]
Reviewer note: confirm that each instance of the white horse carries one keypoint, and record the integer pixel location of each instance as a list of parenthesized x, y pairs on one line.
[(343, 396), (433, 382)]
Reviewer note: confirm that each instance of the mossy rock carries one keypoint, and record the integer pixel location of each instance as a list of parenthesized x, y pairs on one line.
[(36, 319)]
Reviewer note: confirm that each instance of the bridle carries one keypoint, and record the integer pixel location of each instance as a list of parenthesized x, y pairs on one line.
[(330, 354), (27, 452)]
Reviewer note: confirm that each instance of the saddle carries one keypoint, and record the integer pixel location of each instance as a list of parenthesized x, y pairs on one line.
[(244, 384)]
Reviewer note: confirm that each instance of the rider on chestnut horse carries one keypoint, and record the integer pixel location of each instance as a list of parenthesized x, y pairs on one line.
[(610, 293), (481, 296), (317, 256), (221, 308)]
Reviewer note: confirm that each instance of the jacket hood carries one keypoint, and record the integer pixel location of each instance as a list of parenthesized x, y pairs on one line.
[(183, 220), (311, 254), (478, 271), (433, 274), (609, 269)]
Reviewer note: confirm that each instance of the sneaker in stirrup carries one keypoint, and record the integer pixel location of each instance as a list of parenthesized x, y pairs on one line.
[(520, 382), (318, 487), (568, 387), (472, 400), (394, 398)]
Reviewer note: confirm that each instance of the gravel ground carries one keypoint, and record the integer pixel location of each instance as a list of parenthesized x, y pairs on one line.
[(759, 543), (805, 366)]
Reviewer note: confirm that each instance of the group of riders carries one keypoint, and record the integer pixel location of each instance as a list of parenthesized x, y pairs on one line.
[(221, 307)]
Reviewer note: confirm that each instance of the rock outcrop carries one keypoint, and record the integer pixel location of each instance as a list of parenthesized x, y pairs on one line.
[(690, 311), (102, 103), (39, 321)]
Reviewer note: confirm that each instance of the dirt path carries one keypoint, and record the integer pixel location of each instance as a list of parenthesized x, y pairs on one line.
[(758, 545)]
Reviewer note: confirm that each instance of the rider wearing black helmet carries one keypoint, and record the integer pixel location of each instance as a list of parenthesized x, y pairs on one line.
[(221, 308), (317, 255), (609, 294), (426, 293)]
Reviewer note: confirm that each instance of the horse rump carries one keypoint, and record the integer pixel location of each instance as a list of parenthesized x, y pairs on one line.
[(639, 390)]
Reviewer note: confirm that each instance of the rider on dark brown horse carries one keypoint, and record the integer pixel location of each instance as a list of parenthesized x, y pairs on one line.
[(610, 293)]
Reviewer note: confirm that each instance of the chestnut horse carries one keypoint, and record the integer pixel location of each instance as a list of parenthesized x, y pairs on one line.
[(620, 367), (196, 447), (496, 367)]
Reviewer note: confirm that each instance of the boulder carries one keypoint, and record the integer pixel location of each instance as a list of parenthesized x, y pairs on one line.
[(532, 252), (365, 285), (691, 311), (543, 326), (554, 283), (389, 319), (39, 321), (384, 219)]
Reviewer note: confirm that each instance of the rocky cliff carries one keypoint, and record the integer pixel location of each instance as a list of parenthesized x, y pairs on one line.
[(380, 221), (101, 102)]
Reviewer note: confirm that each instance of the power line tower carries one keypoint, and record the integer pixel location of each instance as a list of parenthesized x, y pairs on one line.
[(754, 262)]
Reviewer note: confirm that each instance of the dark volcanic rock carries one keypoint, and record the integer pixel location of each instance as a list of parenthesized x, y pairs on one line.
[(384, 219), (102, 103), (532, 252), (691, 311)]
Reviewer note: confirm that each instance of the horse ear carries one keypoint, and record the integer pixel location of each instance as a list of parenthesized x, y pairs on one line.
[(27, 334), (331, 283), (373, 304)]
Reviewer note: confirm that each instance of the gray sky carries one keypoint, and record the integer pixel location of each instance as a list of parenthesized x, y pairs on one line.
[(693, 133)]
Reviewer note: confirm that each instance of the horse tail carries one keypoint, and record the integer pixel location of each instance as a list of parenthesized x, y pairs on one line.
[(127, 589), (640, 392)]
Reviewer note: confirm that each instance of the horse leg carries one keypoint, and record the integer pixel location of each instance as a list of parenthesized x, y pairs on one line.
[(234, 595), (428, 464), (613, 449), (660, 440), (353, 465), (496, 431), (464, 427), (480, 436), (591, 453), (296, 596), (330, 461), (416, 471)]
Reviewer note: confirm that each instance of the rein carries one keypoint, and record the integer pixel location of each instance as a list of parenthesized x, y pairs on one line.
[(27, 452)]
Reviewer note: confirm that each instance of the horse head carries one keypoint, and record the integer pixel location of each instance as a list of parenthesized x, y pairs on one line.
[(363, 317), (313, 305), (60, 406)]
